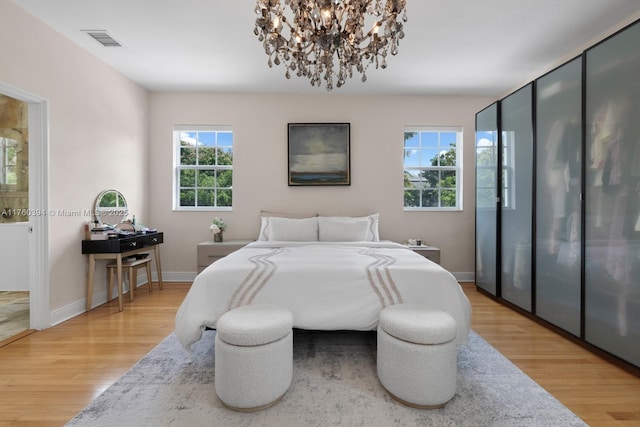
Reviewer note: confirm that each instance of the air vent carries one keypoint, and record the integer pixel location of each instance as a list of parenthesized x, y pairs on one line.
[(103, 37)]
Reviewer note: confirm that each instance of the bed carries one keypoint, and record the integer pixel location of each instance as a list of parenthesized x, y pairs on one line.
[(333, 273)]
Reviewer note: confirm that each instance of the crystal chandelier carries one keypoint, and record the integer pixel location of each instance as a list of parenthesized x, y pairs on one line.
[(327, 39)]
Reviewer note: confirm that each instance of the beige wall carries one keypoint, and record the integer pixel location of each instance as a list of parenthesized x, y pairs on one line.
[(260, 167), (98, 138)]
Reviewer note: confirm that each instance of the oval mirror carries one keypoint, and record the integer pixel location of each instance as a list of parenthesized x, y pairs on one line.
[(110, 208)]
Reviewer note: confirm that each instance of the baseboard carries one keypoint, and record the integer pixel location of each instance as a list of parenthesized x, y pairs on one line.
[(76, 308), (465, 276)]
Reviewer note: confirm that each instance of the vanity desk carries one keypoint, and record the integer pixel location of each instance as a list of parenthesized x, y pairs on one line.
[(117, 249)]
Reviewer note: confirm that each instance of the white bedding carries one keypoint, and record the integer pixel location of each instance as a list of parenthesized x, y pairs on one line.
[(326, 285)]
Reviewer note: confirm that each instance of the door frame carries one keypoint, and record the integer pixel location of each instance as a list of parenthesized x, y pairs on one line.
[(39, 309)]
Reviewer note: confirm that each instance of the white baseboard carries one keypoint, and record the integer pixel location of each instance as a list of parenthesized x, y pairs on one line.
[(466, 276), (78, 307)]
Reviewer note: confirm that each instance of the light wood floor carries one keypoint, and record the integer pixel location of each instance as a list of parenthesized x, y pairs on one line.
[(49, 376)]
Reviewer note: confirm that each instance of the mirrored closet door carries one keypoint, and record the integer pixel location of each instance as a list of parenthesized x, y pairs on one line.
[(558, 210)]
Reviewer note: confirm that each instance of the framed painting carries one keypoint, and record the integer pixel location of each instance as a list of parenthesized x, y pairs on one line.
[(319, 154)]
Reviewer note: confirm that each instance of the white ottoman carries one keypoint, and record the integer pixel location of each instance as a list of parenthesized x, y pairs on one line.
[(253, 356), (417, 359)]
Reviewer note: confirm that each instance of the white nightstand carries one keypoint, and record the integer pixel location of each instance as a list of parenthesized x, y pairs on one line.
[(209, 252), (430, 252)]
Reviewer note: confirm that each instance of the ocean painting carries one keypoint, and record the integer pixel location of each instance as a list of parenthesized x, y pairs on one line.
[(319, 154)]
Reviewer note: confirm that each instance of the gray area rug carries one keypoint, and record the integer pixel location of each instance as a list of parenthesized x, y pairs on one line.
[(334, 383)]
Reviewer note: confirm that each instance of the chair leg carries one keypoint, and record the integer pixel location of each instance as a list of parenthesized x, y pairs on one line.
[(110, 287), (149, 282), (132, 282)]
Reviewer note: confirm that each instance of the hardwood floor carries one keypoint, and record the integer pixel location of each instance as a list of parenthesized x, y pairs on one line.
[(49, 376)]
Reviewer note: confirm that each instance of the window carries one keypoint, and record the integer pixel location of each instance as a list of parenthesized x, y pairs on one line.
[(203, 167), (508, 172), (433, 168), (486, 169), (8, 161)]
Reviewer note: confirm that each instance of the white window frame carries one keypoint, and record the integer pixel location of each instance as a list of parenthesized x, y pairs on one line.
[(177, 130), (5, 144), (425, 164)]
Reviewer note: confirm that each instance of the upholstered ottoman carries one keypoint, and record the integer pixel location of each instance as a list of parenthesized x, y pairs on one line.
[(253, 356), (417, 361)]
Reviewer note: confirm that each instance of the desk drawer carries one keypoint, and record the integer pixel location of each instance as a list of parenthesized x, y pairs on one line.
[(124, 244)]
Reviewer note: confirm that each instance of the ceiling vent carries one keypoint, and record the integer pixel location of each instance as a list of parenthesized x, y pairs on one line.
[(103, 37)]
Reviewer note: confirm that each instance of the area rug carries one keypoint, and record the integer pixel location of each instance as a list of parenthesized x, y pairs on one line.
[(334, 384)]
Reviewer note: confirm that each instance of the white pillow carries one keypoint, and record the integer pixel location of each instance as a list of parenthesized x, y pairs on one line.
[(348, 229), (293, 230), (265, 222)]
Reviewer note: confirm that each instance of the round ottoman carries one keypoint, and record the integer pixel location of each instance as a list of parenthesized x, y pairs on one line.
[(417, 359), (253, 356)]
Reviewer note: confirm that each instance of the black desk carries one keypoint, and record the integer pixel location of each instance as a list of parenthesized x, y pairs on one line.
[(118, 249)]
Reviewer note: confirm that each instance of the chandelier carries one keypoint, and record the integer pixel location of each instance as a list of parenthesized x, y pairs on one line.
[(327, 39)]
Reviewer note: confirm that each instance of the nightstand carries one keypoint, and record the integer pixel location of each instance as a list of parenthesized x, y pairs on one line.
[(430, 252), (209, 252)]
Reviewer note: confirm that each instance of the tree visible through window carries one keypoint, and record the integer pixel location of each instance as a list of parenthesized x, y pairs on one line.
[(204, 167), (432, 168)]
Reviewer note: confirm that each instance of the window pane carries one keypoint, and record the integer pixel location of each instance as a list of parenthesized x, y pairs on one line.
[(430, 156), (224, 178), (412, 198), (188, 139), (207, 139), (225, 156), (206, 179), (187, 156), (430, 198), (429, 139), (206, 156), (224, 198), (432, 177), (187, 178), (206, 197), (187, 198), (411, 139), (448, 157), (11, 176), (448, 198), (225, 139), (448, 139), (411, 157), (448, 179)]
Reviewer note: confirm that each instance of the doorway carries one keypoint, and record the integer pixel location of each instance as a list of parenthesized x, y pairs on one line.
[(25, 170)]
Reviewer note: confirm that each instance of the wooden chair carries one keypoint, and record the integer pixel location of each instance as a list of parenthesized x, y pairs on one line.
[(131, 266)]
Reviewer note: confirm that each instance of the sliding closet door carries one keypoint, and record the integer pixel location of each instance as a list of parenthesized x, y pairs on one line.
[(517, 188), (558, 187), (612, 234), (487, 198)]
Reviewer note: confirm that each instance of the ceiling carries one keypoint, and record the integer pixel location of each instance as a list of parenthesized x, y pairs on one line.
[(463, 47)]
